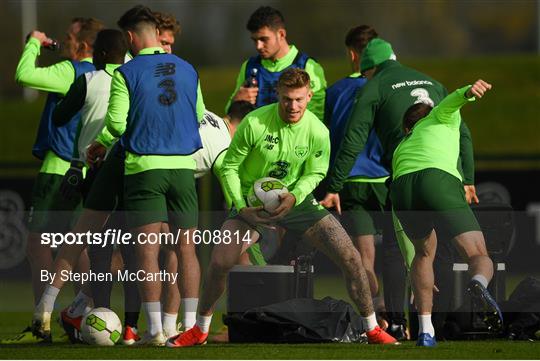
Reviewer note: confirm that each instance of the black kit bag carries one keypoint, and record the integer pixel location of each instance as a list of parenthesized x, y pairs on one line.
[(300, 320), (522, 311)]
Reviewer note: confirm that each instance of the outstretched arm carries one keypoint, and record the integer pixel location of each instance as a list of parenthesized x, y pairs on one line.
[(446, 109)]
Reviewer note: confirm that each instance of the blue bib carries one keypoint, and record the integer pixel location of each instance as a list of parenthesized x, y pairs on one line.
[(267, 80), (339, 101), (58, 139), (162, 117)]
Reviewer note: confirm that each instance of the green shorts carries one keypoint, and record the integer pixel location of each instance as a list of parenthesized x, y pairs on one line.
[(298, 220), (161, 195), (431, 198), (107, 189), (362, 204), (49, 211)]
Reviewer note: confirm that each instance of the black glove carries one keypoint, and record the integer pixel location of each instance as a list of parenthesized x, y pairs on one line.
[(72, 182)]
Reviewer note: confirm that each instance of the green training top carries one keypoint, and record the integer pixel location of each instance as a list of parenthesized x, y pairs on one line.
[(314, 69), (434, 141), (265, 146), (56, 78), (116, 122)]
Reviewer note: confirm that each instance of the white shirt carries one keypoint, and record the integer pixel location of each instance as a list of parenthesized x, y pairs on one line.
[(215, 138)]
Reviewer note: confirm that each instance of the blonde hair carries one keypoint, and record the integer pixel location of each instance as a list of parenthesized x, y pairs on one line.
[(294, 78), (167, 22)]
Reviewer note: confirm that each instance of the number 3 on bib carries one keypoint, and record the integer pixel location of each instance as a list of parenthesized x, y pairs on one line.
[(422, 96)]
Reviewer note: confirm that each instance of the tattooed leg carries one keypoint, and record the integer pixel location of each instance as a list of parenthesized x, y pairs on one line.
[(329, 237)]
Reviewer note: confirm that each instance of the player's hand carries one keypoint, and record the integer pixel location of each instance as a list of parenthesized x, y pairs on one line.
[(287, 202), (95, 154), (478, 89), (470, 194), (254, 215), (42, 37), (71, 185), (331, 200), (246, 94)]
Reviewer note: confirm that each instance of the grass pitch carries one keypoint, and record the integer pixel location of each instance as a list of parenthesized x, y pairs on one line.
[(16, 300), (490, 350)]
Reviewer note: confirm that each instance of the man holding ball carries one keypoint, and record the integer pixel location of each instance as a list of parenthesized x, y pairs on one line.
[(286, 141)]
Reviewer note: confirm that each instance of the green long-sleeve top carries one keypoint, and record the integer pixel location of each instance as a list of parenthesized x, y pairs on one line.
[(56, 78), (314, 69), (116, 123), (265, 146), (434, 140)]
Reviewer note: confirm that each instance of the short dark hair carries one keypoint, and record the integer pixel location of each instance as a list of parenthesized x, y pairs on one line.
[(293, 78), (113, 43), (134, 17), (89, 29), (167, 22), (414, 114), (239, 109), (265, 16), (358, 37)]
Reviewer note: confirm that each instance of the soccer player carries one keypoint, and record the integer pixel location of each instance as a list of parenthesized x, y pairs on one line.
[(285, 141), (153, 95), (113, 173), (267, 28), (364, 193), (53, 145), (89, 95), (379, 107), (168, 28), (216, 134), (428, 197)]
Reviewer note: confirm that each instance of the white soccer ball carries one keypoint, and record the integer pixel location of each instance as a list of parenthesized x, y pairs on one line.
[(265, 192), (101, 327)]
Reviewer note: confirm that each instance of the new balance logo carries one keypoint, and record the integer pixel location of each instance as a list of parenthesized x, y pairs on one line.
[(163, 69)]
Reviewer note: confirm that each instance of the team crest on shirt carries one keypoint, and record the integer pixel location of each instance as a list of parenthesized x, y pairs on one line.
[(300, 151)]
